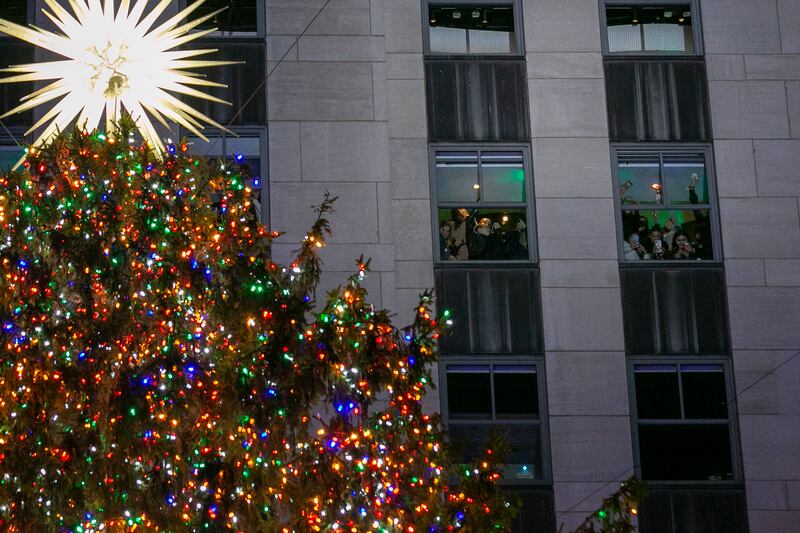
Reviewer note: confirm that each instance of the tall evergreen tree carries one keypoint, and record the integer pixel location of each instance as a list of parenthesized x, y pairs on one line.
[(159, 371)]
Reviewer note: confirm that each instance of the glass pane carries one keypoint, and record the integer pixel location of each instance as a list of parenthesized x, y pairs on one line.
[(9, 155), (685, 179), (639, 178), (667, 235), (685, 452), (457, 177), (663, 29), (704, 392), (657, 395), (516, 393), (239, 16), (503, 177), (469, 393), (524, 460), (471, 29), (483, 234)]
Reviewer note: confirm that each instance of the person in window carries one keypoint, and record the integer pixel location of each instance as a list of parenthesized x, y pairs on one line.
[(445, 231), (633, 249), (515, 241), (479, 243), (669, 231), (462, 222), (655, 245), (701, 235), (683, 249)]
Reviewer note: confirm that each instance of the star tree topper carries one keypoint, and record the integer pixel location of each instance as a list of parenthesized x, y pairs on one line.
[(115, 60)]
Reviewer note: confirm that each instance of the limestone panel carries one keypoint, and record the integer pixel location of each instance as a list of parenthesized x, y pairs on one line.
[(355, 220), (740, 26), (767, 495), (337, 257), (770, 446), (379, 92), (576, 228), (345, 151), (404, 67), (284, 151), (789, 14), (585, 384), (408, 161), (565, 65), (760, 227), (376, 17), (572, 168), (776, 167), (412, 230), (735, 168), (321, 91), (768, 382), (385, 229), (782, 272), (579, 273), (582, 319), (561, 26), (403, 21), (406, 104), (413, 274), (596, 448), (568, 108), (764, 318), (793, 95), (745, 273), (340, 48), (773, 521), (724, 67), (342, 17), (772, 67), (749, 109)]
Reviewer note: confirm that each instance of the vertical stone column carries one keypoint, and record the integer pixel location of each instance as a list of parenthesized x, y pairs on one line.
[(753, 57), (585, 359)]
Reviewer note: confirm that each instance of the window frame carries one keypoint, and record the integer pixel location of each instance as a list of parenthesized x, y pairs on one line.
[(546, 477), (732, 420), (661, 149), (697, 34), (529, 204), (519, 37), (261, 24), (213, 134)]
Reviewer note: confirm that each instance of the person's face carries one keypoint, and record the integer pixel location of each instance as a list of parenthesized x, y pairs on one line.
[(642, 223), (463, 214), (633, 240), (682, 241), (655, 235), (444, 231), (668, 225)]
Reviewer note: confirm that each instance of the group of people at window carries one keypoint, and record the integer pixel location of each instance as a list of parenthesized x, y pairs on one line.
[(469, 234)]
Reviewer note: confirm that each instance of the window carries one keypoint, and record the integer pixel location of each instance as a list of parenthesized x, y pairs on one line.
[(494, 399), (239, 17), (15, 52), (471, 28), (9, 156), (667, 28), (482, 205), (683, 420), (16, 11), (665, 204), (246, 151)]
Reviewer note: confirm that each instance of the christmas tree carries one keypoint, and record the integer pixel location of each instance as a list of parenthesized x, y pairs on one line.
[(160, 372)]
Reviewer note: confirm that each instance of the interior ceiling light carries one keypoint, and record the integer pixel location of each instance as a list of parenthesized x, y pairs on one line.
[(115, 60), (456, 14), (476, 14)]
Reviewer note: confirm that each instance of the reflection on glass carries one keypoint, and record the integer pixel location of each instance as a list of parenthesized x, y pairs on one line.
[(660, 29), (457, 177), (483, 234), (667, 234), (639, 179), (685, 179), (523, 460), (471, 29), (236, 17), (9, 156), (469, 392), (657, 392), (685, 452), (515, 391), (503, 177), (704, 392)]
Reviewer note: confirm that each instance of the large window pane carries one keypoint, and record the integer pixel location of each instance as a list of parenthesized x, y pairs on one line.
[(639, 177), (457, 177), (704, 392), (516, 393), (238, 17), (657, 395), (524, 458), (658, 29), (667, 235), (471, 29), (685, 452), (685, 179), (9, 155), (469, 393), (483, 234), (503, 177)]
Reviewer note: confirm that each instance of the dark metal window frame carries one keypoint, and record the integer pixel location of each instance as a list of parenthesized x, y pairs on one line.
[(518, 30), (541, 422), (220, 137), (261, 24), (528, 205), (712, 205), (732, 420), (697, 34)]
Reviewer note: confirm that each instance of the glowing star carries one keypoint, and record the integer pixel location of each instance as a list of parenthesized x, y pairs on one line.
[(115, 60)]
